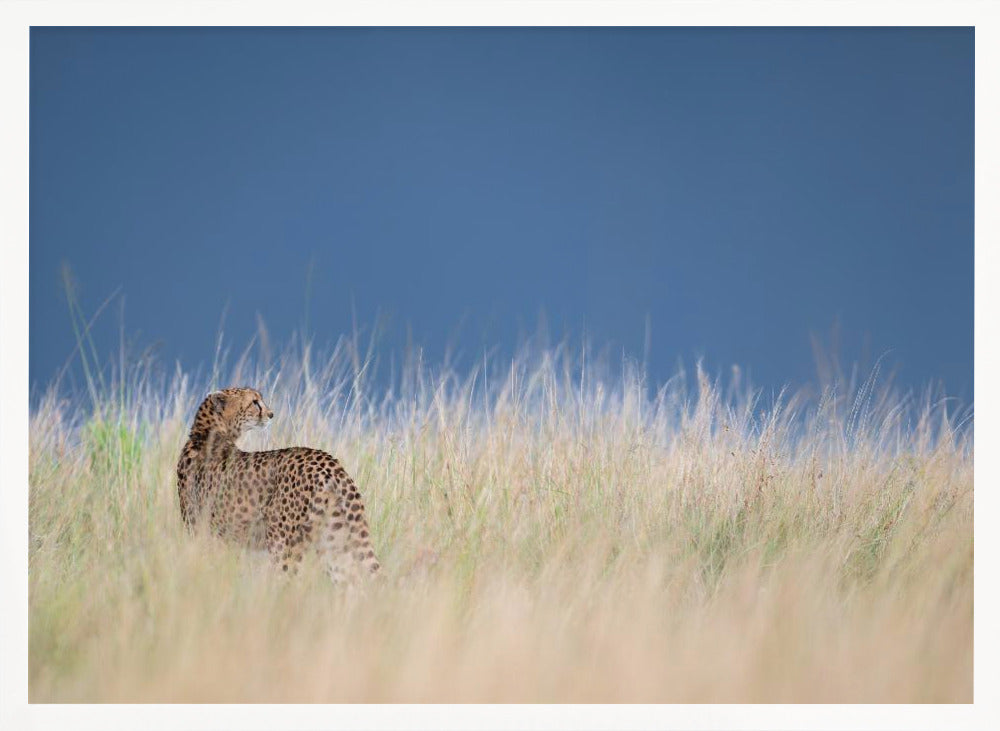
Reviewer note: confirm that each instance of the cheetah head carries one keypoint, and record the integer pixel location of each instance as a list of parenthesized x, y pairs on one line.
[(240, 409)]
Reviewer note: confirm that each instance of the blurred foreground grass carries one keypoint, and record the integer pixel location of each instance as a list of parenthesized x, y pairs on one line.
[(547, 535)]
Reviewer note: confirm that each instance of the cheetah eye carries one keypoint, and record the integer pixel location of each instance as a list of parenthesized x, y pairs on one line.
[(259, 407)]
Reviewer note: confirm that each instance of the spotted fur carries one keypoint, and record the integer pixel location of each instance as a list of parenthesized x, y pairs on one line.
[(295, 498)]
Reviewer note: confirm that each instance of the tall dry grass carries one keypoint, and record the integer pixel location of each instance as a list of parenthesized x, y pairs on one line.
[(548, 532)]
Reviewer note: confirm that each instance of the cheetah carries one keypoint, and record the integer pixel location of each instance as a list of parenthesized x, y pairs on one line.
[(296, 497)]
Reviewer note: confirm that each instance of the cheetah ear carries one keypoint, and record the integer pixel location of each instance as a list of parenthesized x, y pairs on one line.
[(217, 400)]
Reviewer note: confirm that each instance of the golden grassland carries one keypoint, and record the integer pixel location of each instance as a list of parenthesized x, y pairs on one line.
[(548, 534)]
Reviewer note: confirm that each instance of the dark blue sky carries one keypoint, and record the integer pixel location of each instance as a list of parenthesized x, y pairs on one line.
[(740, 187)]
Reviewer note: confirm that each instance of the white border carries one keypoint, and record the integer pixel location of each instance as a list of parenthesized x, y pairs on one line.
[(16, 18), (487, 717)]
